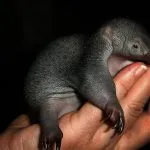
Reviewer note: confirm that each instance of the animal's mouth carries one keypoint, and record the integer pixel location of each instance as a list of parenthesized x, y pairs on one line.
[(143, 58), (117, 63)]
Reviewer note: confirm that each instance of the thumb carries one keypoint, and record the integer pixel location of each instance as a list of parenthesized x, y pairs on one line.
[(137, 97), (127, 78)]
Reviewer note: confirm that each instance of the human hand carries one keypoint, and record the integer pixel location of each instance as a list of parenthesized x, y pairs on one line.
[(85, 129)]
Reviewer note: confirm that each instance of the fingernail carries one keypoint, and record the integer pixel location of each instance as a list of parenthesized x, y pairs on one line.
[(140, 70)]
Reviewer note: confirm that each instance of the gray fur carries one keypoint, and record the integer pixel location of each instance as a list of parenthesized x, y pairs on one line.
[(77, 65)]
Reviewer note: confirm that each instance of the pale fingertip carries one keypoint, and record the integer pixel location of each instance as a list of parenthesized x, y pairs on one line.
[(140, 70), (128, 77)]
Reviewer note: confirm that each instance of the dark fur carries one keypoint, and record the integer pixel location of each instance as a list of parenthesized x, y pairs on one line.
[(78, 65)]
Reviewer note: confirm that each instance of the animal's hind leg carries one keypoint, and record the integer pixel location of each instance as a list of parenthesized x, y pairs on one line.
[(50, 112)]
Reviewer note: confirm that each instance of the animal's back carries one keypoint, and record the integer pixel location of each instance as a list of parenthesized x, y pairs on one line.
[(53, 69)]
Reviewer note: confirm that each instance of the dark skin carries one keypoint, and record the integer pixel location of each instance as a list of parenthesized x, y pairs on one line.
[(85, 129)]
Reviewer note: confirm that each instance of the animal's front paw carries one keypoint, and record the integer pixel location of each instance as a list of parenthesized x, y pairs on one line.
[(116, 117), (49, 138)]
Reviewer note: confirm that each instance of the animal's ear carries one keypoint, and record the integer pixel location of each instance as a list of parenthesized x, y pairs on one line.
[(107, 31), (107, 34)]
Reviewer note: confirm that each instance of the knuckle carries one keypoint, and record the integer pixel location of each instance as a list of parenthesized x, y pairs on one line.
[(134, 109)]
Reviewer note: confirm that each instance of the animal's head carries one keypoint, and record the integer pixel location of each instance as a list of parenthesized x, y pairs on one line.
[(129, 39)]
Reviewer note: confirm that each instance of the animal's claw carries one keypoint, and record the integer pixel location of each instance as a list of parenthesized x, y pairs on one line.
[(116, 117), (48, 139)]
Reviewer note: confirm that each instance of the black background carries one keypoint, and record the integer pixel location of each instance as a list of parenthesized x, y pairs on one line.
[(27, 26)]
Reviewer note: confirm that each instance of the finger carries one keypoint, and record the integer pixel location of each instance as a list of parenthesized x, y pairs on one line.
[(26, 139), (91, 114), (86, 118), (82, 123), (137, 97), (127, 77), (138, 135), (20, 122), (17, 138), (32, 133), (88, 123)]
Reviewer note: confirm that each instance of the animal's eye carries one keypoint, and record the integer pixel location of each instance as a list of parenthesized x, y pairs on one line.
[(135, 46)]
